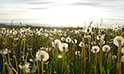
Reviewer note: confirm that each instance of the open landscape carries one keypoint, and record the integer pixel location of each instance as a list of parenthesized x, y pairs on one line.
[(57, 50), (61, 36)]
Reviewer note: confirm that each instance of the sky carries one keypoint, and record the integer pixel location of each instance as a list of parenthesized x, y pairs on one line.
[(62, 12)]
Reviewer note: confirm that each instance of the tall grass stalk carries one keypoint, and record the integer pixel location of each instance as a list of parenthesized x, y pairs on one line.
[(82, 53), (16, 63)]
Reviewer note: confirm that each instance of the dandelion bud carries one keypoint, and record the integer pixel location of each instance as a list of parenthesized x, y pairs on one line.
[(10, 59), (82, 34), (23, 61), (55, 72), (9, 65), (44, 72), (89, 33)]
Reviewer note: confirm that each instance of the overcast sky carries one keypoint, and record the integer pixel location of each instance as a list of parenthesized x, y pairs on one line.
[(61, 12)]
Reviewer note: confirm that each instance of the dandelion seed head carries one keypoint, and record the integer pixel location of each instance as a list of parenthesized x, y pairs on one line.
[(106, 48), (42, 55), (63, 47), (122, 58), (118, 40), (95, 49)]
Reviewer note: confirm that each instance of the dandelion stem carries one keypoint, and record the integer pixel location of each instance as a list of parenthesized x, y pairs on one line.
[(24, 48), (16, 63), (119, 61), (42, 63), (14, 70), (82, 53), (3, 66), (95, 63)]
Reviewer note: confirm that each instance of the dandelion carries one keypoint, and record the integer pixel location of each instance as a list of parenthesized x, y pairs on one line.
[(78, 53), (29, 47), (34, 59), (76, 32), (118, 40), (122, 50), (5, 51), (23, 64), (74, 41), (16, 38), (63, 39), (87, 36), (46, 35), (31, 68), (106, 48), (101, 37), (28, 67), (95, 49), (63, 47), (86, 45), (56, 43), (101, 42), (122, 58), (68, 39), (42, 55), (114, 57), (48, 49), (80, 44)]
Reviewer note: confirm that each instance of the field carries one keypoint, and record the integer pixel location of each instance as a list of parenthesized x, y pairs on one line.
[(45, 50)]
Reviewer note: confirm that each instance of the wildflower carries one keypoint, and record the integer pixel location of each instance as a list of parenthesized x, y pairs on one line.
[(33, 59), (86, 45), (48, 49), (68, 39), (95, 49), (122, 58), (16, 38), (23, 64), (122, 50), (56, 43), (42, 55), (78, 53), (80, 44), (101, 37), (31, 68), (93, 43), (76, 32), (101, 42), (63, 47), (106, 48), (5, 51), (74, 41), (65, 34), (114, 57), (118, 40), (15, 32), (46, 35), (87, 36), (28, 67), (63, 39), (29, 47)]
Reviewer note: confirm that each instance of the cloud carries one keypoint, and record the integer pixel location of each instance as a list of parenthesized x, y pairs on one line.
[(42, 2), (39, 8), (88, 4)]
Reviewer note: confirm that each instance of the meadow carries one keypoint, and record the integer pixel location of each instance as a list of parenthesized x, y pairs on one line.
[(86, 50)]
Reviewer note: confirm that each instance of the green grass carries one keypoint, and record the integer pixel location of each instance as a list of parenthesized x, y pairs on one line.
[(87, 63)]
